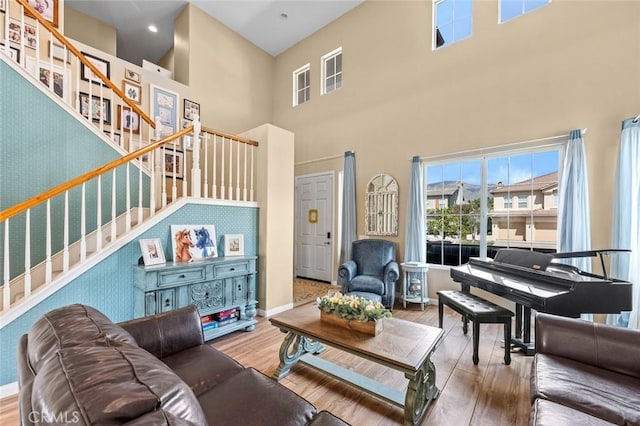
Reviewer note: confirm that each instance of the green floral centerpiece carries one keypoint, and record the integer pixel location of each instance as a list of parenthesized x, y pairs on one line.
[(353, 312)]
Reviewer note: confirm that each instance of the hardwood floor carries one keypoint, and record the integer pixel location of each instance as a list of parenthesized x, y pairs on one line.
[(490, 393)]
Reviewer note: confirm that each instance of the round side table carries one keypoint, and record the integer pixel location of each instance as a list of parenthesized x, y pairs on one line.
[(412, 269)]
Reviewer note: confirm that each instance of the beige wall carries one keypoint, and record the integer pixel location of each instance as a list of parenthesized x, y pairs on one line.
[(568, 65), (90, 31)]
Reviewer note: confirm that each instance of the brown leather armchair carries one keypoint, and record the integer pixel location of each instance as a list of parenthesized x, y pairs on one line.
[(584, 373)]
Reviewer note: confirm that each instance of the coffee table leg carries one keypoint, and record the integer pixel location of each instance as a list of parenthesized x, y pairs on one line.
[(292, 348), (421, 390)]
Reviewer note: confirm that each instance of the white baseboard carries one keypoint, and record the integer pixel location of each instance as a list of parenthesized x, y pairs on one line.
[(10, 389), (275, 311)]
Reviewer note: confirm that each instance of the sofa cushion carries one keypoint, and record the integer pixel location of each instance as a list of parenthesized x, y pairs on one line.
[(106, 385), (548, 413), (602, 393), (71, 326), (202, 367), (252, 399), (159, 418)]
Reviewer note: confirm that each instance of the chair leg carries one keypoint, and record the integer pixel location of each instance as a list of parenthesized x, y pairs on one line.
[(440, 313), (464, 324)]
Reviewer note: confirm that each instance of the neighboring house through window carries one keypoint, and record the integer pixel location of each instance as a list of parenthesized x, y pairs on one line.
[(452, 21), (331, 71), (510, 9), (478, 217), (301, 85)]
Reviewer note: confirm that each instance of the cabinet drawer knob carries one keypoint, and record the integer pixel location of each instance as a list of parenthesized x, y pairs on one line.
[(232, 269), (182, 276)]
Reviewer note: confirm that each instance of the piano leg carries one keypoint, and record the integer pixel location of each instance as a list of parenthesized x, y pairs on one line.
[(518, 321), (527, 324)]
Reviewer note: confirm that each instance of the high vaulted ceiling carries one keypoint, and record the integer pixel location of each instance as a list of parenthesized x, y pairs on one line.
[(272, 25)]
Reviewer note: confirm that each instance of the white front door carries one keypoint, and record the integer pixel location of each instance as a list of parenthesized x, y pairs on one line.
[(314, 226)]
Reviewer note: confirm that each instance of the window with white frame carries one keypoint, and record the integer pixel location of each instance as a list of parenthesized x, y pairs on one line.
[(301, 85), (510, 9), (481, 220), (331, 71), (451, 21)]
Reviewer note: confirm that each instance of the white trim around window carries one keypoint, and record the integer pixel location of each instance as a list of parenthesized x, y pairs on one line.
[(301, 85), (331, 79)]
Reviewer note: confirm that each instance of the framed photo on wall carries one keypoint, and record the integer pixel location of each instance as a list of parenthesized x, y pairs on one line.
[(193, 242), (132, 91), (3, 6), (233, 245), (29, 34), (47, 8), (164, 111), (57, 51), (152, 252), (190, 109), (128, 120), (87, 75), (100, 107), (131, 75), (174, 163)]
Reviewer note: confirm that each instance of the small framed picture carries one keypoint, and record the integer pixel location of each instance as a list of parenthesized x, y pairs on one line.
[(233, 245), (104, 66), (128, 120), (115, 138), (14, 52), (131, 75), (174, 163), (57, 51), (190, 109), (29, 35), (3, 7), (100, 107), (47, 8), (132, 91), (193, 242), (152, 252)]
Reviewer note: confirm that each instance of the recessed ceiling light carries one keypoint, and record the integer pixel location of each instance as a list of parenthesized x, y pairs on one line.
[(153, 28), (284, 16)]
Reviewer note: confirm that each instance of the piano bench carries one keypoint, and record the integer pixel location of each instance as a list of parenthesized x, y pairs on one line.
[(479, 311)]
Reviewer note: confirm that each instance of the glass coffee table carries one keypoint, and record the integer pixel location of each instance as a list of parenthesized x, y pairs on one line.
[(404, 346)]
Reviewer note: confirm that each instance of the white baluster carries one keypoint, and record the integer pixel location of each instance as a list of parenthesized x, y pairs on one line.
[(128, 198), (114, 223), (205, 185), (222, 171), (6, 288), (252, 167), (163, 175), (83, 224), (65, 237), (48, 267), (214, 188), (230, 169), (238, 170), (140, 217), (27, 253), (174, 186), (99, 216), (152, 185), (244, 190)]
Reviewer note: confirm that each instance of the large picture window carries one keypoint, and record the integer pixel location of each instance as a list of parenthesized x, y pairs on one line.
[(477, 205)]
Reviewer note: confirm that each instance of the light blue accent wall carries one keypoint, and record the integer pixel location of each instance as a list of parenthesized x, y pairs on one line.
[(41, 146), (109, 286)]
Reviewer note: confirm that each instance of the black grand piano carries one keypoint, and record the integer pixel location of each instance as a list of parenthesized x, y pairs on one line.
[(538, 281)]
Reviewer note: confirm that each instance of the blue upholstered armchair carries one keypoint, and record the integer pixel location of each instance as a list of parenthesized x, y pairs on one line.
[(372, 271)]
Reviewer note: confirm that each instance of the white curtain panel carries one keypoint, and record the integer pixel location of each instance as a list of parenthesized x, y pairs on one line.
[(348, 235), (626, 220), (415, 238), (574, 226)]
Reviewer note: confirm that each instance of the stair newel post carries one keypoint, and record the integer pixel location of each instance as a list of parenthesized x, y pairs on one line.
[(128, 197), (222, 171), (6, 288), (65, 236), (48, 268), (114, 225), (205, 188), (27, 253), (99, 215), (83, 223), (196, 178)]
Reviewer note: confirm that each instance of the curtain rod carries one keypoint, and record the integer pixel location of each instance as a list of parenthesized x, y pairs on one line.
[(635, 120), (532, 143), (317, 160)]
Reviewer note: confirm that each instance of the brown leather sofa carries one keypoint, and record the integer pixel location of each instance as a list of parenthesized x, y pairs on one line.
[(584, 373), (77, 367)]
